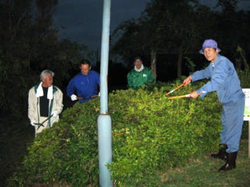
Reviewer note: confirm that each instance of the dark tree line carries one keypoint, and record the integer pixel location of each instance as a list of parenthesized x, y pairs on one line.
[(29, 43), (169, 34)]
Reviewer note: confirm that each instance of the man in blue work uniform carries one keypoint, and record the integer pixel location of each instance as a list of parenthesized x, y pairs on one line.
[(225, 81), (85, 85)]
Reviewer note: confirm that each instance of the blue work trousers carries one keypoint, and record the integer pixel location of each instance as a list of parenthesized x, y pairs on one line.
[(232, 122)]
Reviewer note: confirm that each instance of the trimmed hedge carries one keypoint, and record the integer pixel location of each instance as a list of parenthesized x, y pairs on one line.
[(150, 135)]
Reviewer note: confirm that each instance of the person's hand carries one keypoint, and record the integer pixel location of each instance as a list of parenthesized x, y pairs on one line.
[(54, 113), (73, 97), (194, 94), (32, 123), (187, 80)]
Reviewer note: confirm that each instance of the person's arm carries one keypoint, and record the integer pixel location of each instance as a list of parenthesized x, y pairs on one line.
[(198, 75), (58, 101), (71, 90), (202, 74), (32, 108), (218, 79), (130, 80)]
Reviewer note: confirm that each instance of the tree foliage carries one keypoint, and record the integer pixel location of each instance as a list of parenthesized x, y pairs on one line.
[(29, 44), (180, 27)]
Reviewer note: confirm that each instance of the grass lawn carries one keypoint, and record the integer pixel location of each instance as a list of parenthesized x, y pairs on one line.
[(204, 171)]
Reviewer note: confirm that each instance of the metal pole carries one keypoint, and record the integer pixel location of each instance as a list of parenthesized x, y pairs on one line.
[(104, 120)]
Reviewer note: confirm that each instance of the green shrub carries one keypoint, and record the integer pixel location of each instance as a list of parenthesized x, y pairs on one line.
[(150, 134), (155, 133), (244, 78)]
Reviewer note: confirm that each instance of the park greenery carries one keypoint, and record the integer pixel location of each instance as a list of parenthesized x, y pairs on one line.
[(170, 32), (150, 133)]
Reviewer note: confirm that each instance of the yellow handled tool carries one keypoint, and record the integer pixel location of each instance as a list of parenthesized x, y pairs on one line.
[(180, 96), (175, 89), (187, 95)]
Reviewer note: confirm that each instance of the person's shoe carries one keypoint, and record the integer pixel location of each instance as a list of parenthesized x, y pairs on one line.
[(222, 154), (231, 162)]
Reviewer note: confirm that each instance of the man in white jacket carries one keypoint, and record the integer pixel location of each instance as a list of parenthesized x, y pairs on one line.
[(45, 102)]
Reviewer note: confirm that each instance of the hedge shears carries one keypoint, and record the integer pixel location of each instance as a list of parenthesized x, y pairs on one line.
[(180, 96), (41, 124), (92, 96), (175, 89)]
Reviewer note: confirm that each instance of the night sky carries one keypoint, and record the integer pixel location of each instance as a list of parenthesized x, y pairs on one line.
[(81, 20)]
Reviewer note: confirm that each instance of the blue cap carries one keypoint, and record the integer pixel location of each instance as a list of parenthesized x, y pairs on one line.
[(210, 43)]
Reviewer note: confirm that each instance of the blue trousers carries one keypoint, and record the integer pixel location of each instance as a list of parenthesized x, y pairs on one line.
[(232, 122)]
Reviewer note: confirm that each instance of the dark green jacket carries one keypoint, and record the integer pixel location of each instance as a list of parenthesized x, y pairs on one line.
[(137, 79)]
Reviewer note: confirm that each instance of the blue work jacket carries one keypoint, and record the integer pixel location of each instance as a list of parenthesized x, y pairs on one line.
[(84, 85), (224, 80)]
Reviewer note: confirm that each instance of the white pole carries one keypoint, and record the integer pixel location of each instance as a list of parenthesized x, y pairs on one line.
[(104, 120)]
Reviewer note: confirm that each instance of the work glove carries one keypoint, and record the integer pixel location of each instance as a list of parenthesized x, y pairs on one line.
[(32, 123), (54, 113), (73, 97)]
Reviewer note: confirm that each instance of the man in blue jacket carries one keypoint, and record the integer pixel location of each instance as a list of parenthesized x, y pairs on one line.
[(225, 81), (85, 85)]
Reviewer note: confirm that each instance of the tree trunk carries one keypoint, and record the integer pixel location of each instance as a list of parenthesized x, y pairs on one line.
[(179, 62), (153, 63)]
